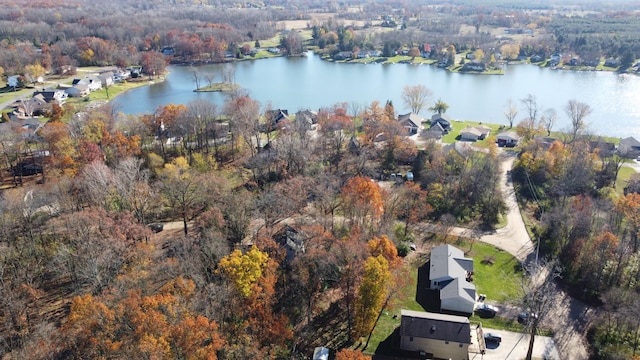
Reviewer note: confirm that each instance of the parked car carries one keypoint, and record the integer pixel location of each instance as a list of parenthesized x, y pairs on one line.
[(525, 316), (486, 311), (492, 338)]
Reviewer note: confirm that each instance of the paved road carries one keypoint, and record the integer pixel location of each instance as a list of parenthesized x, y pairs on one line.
[(569, 318), (514, 346)]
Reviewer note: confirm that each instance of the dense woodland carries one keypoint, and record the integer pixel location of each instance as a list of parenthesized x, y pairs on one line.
[(82, 274)]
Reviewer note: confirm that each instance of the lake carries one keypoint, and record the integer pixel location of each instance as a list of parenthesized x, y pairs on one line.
[(309, 82)]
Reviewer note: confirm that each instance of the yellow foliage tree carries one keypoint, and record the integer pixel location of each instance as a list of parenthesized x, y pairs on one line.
[(372, 294), (244, 270)]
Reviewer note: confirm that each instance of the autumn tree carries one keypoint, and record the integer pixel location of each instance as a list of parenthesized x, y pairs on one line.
[(244, 122), (182, 190), (160, 325), (244, 270), (348, 354), (416, 97), (362, 201), (412, 206), (629, 206), (371, 296)]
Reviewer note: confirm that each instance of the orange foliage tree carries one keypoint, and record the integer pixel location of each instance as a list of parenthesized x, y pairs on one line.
[(348, 354), (362, 201), (156, 326)]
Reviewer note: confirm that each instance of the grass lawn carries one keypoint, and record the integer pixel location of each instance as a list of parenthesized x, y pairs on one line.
[(500, 282), (9, 95), (623, 176), (461, 125), (114, 90)]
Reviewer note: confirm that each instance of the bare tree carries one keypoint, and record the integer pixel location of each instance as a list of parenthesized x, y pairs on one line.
[(549, 119), (196, 77), (538, 289), (531, 106), (511, 112), (416, 97), (210, 77), (577, 111)]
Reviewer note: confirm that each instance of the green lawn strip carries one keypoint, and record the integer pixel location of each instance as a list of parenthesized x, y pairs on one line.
[(458, 126), (623, 176), (500, 282), (6, 96), (114, 90)]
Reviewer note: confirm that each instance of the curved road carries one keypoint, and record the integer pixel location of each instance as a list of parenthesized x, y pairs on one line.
[(569, 318)]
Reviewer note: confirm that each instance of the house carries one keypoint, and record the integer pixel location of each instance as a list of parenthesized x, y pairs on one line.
[(34, 106), (443, 120), (411, 122), (436, 131), (57, 96), (473, 66), (470, 134), (474, 133), (78, 90), (451, 273), (435, 335), (106, 78), (94, 83), (508, 139), (614, 63), (306, 118), (342, 55), (462, 148), (273, 117), (291, 240), (629, 148), (605, 149), (168, 51)]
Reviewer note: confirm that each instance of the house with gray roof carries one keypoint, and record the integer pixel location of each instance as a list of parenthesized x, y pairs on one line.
[(443, 119), (439, 336), (451, 273), (411, 122), (629, 147)]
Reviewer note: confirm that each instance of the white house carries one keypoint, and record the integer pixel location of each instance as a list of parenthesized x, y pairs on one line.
[(450, 272), (437, 335)]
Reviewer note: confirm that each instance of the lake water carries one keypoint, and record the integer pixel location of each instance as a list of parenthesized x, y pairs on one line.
[(309, 82)]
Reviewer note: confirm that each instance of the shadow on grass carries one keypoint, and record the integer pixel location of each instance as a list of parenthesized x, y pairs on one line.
[(389, 349), (427, 298), (326, 329)]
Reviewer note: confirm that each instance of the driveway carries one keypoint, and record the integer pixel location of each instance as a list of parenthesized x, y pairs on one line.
[(514, 346), (569, 318)]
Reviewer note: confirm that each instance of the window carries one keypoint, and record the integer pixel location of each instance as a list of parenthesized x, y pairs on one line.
[(459, 345), (410, 338)]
